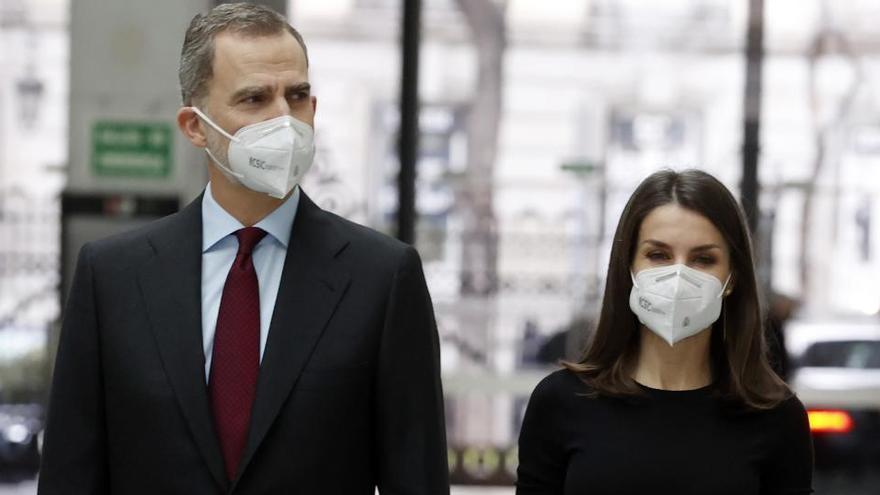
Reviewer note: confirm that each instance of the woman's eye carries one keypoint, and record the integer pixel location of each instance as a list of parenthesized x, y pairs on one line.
[(705, 260), (656, 255)]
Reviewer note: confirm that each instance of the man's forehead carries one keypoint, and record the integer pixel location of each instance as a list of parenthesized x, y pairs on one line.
[(239, 51), (242, 61)]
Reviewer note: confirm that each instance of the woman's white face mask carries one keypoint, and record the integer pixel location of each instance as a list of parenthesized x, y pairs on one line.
[(270, 156), (676, 302)]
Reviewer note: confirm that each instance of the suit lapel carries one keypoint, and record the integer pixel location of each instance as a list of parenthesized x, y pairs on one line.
[(171, 283), (312, 283)]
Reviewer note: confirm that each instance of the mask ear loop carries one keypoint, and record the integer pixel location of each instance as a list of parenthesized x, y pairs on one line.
[(724, 287), (217, 128), (224, 168), (212, 124)]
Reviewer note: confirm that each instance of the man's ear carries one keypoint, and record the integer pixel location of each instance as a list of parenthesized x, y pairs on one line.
[(191, 126)]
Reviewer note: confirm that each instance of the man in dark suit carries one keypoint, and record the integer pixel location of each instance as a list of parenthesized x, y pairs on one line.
[(251, 343)]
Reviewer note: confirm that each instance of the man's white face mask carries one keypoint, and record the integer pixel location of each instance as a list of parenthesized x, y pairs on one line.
[(676, 302), (270, 156)]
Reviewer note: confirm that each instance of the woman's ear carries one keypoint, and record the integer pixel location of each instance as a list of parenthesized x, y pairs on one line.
[(730, 284)]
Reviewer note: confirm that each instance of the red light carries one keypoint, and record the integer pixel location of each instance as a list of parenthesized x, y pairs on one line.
[(830, 421)]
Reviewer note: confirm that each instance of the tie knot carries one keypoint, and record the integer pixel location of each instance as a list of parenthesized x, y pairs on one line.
[(248, 237)]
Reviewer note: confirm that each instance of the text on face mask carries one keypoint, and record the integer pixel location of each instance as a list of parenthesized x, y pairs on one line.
[(261, 164)]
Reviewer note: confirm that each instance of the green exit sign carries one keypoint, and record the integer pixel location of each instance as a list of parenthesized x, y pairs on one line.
[(580, 167), (131, 149)]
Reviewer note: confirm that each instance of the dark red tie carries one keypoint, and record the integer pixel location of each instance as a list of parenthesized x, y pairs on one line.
[(235, 361)]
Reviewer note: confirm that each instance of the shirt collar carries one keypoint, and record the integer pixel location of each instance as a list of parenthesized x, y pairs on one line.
[(217, 223)]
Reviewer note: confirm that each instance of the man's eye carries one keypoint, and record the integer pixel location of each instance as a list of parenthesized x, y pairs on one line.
[(299, 95), (253, 99)]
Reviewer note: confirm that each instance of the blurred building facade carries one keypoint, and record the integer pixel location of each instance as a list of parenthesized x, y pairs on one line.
[(33, 149)]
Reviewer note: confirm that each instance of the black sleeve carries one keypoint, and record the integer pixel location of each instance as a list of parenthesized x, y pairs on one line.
[(410, 427), (542, 466), (790, 470), (73, 460)]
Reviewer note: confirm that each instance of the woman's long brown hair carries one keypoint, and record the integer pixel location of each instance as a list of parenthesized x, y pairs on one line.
[(742, 373)]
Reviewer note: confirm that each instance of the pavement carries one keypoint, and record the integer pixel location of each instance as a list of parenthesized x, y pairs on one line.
[(823, 485), (30, 488)]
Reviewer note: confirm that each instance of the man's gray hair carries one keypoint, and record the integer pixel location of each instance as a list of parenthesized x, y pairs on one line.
[(197, 56)]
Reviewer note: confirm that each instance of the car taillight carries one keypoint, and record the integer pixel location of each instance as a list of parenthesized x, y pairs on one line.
[(830, 421)]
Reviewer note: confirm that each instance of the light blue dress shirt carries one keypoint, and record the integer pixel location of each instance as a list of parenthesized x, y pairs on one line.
[(219, 247)]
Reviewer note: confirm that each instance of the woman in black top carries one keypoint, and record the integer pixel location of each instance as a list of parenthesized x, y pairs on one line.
[(674, 394)]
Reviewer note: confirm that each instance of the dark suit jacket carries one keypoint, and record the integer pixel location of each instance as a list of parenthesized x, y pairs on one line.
[(348, 396)]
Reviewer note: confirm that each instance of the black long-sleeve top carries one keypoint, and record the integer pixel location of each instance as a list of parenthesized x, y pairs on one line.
[(681, 442)]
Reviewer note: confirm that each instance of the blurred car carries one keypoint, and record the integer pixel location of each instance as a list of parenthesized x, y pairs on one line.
[(20, 427), (837, 377)]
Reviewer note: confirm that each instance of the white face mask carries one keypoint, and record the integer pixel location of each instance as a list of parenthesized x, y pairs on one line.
[(270, 156), (676, 301)]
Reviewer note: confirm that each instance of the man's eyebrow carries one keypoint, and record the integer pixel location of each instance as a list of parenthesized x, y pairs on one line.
[(250, 91), (303, 86)]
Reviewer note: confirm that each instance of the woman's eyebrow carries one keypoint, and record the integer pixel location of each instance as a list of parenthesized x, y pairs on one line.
[(661, 244)]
